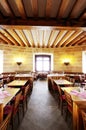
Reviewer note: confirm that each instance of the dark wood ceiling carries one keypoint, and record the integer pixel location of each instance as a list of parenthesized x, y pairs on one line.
[(43, 23)]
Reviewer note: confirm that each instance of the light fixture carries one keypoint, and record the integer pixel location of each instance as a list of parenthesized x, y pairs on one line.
[(66, 62), (19, 63)]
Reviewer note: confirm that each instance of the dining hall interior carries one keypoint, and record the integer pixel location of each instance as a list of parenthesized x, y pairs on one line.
[(43, 64)]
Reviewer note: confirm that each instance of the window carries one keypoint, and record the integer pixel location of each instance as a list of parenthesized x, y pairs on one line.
[(1, 61), (84, 61), (42, 62)]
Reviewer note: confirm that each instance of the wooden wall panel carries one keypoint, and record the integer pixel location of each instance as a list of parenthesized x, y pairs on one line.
[(12, 53)]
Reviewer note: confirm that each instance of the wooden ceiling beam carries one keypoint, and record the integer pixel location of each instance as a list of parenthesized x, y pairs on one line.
[(78, 8), (52, 38), (16, 37), (46, 38), (43, 22), (75, 40), (65, 8), (22, 36), (34, 7), (5, 39), (59, 37), (6, 8), (29, 27), (65, 37), (20, 8), (80, 41), (72, 37), (6, 34), (48, 8), (29, 37)]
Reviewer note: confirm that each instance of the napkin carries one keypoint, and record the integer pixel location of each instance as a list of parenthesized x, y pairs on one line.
[(81, 94), (4, 94)]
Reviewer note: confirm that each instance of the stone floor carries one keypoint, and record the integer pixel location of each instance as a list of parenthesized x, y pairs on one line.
[(42, 112)]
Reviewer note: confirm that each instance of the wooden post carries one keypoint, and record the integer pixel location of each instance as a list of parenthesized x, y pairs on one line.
[(1, 112)]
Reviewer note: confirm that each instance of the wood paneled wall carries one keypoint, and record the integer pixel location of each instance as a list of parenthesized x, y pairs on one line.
[(12, 53)]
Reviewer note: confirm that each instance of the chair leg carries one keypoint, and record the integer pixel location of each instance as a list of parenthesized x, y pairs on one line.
[(58, 100), (12, 121), (26, 103), (66, 114), (23, 107), (61, 108), (18, 117)]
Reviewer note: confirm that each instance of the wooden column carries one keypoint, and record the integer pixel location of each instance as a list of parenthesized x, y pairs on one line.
[(1, 112)]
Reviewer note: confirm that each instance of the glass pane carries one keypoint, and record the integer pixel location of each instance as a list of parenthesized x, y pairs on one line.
[(43, 63), (39, 66), (46, 58), (46, 66), (39, 58)]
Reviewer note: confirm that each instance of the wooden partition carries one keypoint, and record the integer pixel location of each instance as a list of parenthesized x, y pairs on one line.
[(54, 76), (1, 112)]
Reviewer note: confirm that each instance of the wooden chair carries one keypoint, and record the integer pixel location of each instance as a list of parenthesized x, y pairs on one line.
[(62, 102), (5, 123), (82, 80), (83, 112), (55, 90), (69, 103), (50, 84), (23, 99), (67, 78), (54, 86), (14, 107), (73, 81)]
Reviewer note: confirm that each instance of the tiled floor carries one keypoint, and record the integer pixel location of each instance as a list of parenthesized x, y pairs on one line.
[(42, 112)]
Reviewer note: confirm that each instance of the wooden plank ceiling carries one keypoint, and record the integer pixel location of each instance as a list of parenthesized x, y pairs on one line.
[(43, 23)]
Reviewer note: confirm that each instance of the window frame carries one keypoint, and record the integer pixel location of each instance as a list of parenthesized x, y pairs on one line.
[(43, 56), (1, 61), (84, 62)]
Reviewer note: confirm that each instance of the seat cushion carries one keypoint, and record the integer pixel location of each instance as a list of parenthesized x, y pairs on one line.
[(8, 109)]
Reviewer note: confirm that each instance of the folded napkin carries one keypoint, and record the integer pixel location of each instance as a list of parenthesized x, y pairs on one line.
[(61, 81), (75, 92), (4, 94), (81, 94)]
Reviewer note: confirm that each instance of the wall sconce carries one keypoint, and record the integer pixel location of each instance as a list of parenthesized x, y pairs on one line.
[(66, 62), (19, 63)]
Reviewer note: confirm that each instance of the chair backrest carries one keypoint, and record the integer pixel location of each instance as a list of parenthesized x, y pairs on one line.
[(4, 124), (52, 83), (73, 81), (26, 90), (81, 78), (60, 91), (84, 118), (69, 101), (67, 78), (16, 101)]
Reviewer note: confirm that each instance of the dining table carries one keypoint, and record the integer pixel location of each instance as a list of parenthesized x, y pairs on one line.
[(24, 76), (78, 96), (6, 95), (62, 82), (17, 83)]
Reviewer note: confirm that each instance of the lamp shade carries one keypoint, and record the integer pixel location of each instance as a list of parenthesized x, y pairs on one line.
[(19, 63), (66, 63)]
